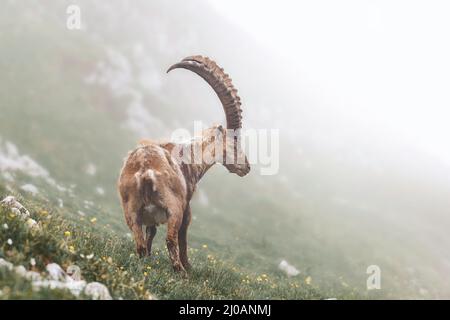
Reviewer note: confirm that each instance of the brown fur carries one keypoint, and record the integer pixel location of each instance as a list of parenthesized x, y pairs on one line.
[(156, 188)]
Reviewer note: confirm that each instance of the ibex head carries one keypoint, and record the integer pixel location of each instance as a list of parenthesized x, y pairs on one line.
[(241, 167), (234, 159)]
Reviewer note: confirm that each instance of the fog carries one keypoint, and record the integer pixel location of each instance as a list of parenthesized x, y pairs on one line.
[(357, 89), (380, 65), (368, 87)]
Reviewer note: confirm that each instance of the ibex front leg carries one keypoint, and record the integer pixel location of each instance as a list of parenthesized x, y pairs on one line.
[(173, 227)]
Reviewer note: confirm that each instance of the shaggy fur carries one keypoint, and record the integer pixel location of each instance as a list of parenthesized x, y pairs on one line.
[(156, 188), (156, 183)]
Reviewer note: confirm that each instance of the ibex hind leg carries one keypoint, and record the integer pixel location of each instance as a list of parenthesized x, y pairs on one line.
[(133, 216), (182, 238), (151, 232), (173, 227)]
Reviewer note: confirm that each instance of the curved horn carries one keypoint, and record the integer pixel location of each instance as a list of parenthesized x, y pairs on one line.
[(220, 82)]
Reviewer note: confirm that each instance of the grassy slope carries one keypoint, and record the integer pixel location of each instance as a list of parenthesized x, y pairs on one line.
[(62, 130), (51, 114), (115, 264)]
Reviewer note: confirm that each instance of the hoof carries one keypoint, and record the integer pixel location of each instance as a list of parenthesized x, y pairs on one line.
[(187, 266), (141, 252), (178, 268)]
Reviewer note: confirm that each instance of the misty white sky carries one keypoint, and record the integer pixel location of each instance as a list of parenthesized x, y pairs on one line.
[(382, 63)]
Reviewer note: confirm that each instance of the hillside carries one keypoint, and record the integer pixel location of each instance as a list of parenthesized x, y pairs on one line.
[(73, 103), (106, 257)]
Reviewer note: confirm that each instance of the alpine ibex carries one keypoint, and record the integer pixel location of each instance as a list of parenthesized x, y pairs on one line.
[(156, 183)]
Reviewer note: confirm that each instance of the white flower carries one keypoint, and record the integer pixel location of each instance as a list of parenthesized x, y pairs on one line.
[(33, 262), (5, 226), (89, 257), (10, 242)]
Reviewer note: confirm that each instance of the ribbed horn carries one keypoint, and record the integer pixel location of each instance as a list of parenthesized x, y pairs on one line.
[(220, 82)]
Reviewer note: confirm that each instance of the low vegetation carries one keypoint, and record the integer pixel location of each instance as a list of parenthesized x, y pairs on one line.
[(108, 258)]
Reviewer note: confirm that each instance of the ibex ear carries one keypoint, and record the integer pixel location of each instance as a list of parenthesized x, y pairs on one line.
[(220, 127)]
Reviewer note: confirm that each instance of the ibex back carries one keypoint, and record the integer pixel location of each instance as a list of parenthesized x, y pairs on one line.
[(156, 183)]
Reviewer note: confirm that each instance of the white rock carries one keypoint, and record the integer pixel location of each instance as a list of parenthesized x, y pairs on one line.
[(33, 276), (290, 270), (15, 206), (74, 272), (9, 201), (56, 272), (6, 264), (75, 287), (97, 291), (60, 280), (51, 284), (20, 270)]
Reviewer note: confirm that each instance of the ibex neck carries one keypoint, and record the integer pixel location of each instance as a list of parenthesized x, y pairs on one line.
[(193, 172)]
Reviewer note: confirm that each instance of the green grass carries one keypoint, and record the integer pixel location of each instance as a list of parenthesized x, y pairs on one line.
[(115, 264)]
